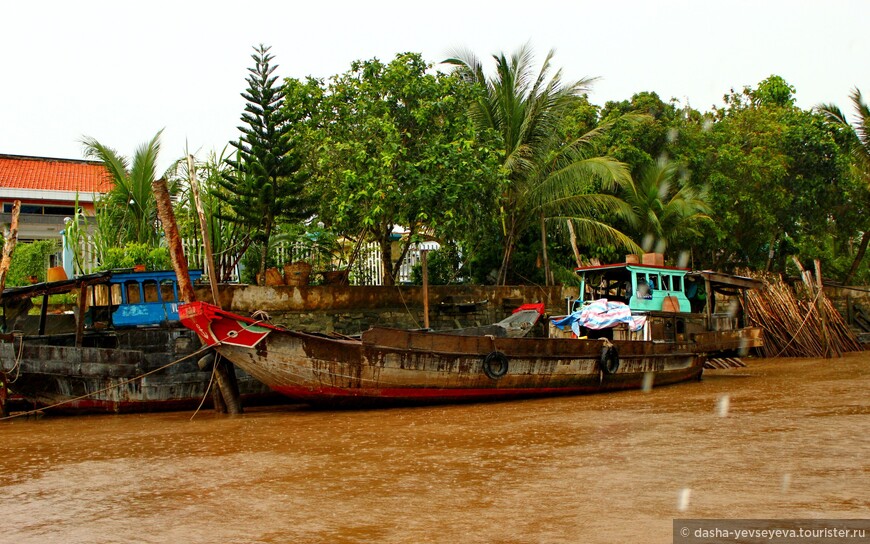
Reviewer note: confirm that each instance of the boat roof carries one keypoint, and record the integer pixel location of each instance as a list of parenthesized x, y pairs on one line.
[(97, 278), (53, 287), (719, 279), (618, 266)]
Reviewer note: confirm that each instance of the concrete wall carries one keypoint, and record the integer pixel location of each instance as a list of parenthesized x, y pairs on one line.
[(352, 309), (845, 299)]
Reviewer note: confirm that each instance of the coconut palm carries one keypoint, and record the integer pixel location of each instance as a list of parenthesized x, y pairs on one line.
[(129, 209), (546, 177), (663, 212), (860, 149)]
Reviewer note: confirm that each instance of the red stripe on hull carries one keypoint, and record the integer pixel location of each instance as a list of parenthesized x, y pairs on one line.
[(325, 395)]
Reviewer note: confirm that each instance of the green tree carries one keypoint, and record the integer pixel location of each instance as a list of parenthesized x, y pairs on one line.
[(266, 180), (772, 172), (545, 175), (858, 145), (128, 212), (394, 147)]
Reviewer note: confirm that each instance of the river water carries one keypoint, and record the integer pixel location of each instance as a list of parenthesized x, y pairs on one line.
[(783, 438)]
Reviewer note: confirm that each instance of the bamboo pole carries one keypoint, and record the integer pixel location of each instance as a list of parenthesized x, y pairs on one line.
[(206, 237), (9, 244), (173, 240), (11, 238)]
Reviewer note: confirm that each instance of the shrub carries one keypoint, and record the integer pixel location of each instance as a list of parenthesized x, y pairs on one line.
[(30, 259)]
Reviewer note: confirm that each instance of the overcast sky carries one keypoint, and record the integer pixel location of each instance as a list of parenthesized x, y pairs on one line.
[(120, 71)]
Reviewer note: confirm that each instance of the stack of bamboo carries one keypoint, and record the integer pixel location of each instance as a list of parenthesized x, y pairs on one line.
[(799, 322)]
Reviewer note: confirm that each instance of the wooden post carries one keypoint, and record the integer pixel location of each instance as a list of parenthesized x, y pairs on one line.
[(425, 262), (206, 238), (173, 240), (43, 315), (708, 288), (80, 318), (185, 288)]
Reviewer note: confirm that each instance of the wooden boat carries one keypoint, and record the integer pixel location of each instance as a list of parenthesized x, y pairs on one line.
[(124, 325), (387, 366)]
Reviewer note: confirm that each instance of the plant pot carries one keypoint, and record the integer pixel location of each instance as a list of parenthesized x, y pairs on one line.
[(139, 268), (273, 277), (297, 274), (55, 273), (336, 277)]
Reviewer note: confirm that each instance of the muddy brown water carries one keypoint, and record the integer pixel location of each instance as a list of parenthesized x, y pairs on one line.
[(795, 442)]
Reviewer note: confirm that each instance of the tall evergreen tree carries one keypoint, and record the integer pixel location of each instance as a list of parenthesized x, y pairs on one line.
[(266, 182)]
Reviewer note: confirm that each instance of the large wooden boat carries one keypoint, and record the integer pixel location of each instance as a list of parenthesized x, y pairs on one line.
[(397, 366), (125, 324)]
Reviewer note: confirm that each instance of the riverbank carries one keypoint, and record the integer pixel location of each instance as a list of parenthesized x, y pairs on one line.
[(600, 468)]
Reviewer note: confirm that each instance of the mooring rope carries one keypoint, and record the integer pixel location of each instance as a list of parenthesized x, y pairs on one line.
[(109, 388), (208, 387)]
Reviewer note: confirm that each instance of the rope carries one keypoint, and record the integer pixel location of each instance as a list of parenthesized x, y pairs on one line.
[(401, 296), (16, 367), (208, 387), (103, 390)]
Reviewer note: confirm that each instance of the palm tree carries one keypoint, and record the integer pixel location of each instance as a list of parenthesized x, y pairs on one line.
[(129, 208), (860, 150), (545, 176), (662, 211)]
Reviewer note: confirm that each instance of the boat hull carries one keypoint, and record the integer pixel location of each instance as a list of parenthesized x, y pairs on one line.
[(45, 374), (404, 367)]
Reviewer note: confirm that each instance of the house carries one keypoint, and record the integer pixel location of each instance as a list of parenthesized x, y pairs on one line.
[(47, 189)]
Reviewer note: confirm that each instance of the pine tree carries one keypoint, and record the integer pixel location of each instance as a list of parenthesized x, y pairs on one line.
[(266, 182)]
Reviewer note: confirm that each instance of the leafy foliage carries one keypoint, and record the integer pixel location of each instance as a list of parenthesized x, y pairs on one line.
[(546, 175), (128, 211), (30, 260)]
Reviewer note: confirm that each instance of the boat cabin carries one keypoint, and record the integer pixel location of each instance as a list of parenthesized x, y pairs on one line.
[(674, 304), (105, 300), (144, 298), (643, 287)]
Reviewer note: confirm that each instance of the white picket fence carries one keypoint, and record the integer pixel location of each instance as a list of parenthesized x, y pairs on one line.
[(367, 269)]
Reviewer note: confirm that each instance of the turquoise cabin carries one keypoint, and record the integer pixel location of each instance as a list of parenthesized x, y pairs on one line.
[(643, 287)]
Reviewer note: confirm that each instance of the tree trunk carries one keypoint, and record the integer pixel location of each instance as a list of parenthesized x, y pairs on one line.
[(548, 280), (508, 254), (862, 249), (264, 253), (387, 257), (772, 252), (573, 235), (397, 266)]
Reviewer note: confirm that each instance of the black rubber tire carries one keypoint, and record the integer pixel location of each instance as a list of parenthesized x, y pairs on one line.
[(609, 360), (495, 365)]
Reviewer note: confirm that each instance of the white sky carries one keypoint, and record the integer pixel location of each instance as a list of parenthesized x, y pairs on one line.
[(120, 71)]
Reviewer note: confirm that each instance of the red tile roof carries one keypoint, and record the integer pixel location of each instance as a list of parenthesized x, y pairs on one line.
[(40, 173)]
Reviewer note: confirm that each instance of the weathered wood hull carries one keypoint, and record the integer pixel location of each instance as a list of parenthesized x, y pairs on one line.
[(391, 366), (46, 373)]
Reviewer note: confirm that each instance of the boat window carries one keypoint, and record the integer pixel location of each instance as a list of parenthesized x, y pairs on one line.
[(134, 295), (666, 282), (167, 291), (98, 295), (116, 294), (678, 283), (653, 281), (150, 289)]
